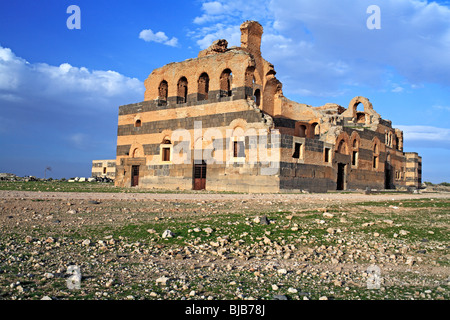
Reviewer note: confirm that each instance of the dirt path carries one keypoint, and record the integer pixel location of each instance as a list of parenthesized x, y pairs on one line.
[(344, 197)]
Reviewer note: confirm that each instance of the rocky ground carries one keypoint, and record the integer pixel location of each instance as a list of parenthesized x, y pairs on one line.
[(224, 246)]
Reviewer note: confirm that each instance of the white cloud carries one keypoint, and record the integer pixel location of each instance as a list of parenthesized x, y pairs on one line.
[(214, 7), (325, 46), (64, 85), (440, 107), (397, 89), (160, 37), (425, 133), (231, 33), (79, 140)]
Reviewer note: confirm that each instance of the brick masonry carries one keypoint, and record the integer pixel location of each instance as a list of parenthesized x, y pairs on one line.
[(339, 148)]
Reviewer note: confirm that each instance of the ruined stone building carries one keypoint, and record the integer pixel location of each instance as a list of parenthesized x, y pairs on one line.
[(104, 169), (221, 122)]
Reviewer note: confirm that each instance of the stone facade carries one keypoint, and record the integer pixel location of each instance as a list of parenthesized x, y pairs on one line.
[(104, 169), (221, 122)]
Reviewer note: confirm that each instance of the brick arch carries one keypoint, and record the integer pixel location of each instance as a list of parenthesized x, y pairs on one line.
[(137, 121), (163, 90), (315, 128), (200, 143), (355, 144), (238, 123), (226, 82), (355, 137), (376, 150), (271, 88), (301, 129), (136, 150), (182, 89), (353, 105), (203, 86), (249, 76), (342, 145), (376, 142), (165, 135)]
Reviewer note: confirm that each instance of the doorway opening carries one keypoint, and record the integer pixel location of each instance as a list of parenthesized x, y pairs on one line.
[(341, 176), (199, 175), (388, 176), (134, 176)]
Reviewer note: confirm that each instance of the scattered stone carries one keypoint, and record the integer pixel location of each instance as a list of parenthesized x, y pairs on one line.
[(292, 290), (282, 271), (410, 261), (162, 280), (50, 240), (264, 220), (279, 297), (168, 234), (208, 230), (328, 215), (109, 283), (334, 261), (74, 280)]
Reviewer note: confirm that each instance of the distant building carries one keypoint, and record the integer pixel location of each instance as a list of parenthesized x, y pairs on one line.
[(221, 122), (104, 169)]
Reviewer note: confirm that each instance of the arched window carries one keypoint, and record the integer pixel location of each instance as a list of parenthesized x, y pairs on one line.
[(376, 156), (355, 152), (165, 150), (342, 147), (182, 90), (257, 96), (315, 129), (138, 123), (300, 130), (249, 81), (163, 90), (225, 83), (203, 86)]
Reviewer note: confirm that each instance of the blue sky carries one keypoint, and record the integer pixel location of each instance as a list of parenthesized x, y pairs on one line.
[(60, 89)]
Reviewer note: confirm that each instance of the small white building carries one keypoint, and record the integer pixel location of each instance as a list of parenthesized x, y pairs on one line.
[(104, 168)]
